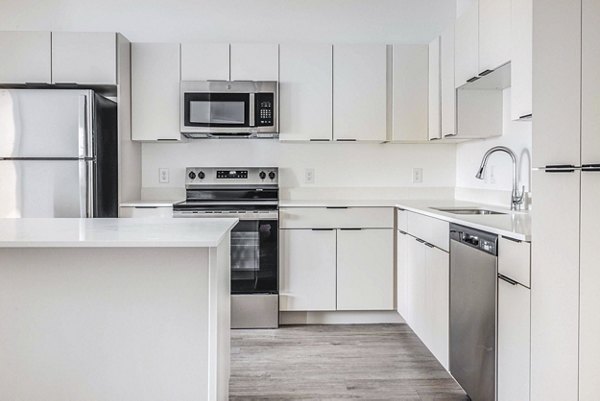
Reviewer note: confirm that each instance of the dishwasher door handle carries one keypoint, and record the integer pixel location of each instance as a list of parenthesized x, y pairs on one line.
[(507, 279)]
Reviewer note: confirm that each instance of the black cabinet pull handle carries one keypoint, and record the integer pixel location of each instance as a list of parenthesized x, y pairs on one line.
[(419, 240), (322, 229), (508, 280), (525, 116), (429, 245), (346, 140), (402, 232), (560, 168), (472, 79), (486, 72), (319, 140), (336, 207), (351, 229), (590, 167)]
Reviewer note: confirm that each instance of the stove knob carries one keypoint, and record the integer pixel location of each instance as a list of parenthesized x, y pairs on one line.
[(262, 175), (272, 175), (192, 175), (201, 175)]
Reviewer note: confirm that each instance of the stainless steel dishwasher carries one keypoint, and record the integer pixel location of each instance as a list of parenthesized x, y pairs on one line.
[(473, 277)]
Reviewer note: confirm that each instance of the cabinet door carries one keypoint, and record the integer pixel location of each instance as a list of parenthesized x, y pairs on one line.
[(365, 269), (590, 101), (410, 93), (448, 88), (28, 57), (145, 211), (521, 58), (435, 92), (306, 92), (307, 280), (555, 286), (360, 92), (589, 327), (203, 62), (155, 91), (557, 82), (437, 281), (494, 33), (466, 46), (402, 273), (514, 322), (88, 58), (254, 62), (416, 287)]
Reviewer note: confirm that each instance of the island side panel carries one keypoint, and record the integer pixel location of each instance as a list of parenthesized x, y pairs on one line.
[(107, 324), (220, 321)]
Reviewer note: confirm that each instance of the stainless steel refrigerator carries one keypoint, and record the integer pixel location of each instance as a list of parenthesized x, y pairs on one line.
[(58, 154)]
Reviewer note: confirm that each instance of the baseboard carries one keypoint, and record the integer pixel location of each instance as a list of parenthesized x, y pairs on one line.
[(339, 317)]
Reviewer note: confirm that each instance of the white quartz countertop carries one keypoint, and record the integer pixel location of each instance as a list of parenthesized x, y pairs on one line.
[(154, 232), (516, 225)]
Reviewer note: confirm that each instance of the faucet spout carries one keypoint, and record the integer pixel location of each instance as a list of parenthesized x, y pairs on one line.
[(517, 196)]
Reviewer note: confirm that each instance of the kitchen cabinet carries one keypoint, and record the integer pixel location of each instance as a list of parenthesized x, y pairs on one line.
[(494, 34), (360, 75), (255, 62), (557, 83), (143, 211), (429, 229), (590, 86), (514, 323), (307, 279), (155, 80), (416, 288), (402, 239), (410, 82), (435, 91), (514, 260), (447, 86), (466, 46), (365, 269), (29, 57), (521, 59), (85, 58), (204, 62), (555, 283), (306, 92)]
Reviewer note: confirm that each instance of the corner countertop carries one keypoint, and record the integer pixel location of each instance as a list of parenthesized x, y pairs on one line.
[(110, 233), (516, 225)]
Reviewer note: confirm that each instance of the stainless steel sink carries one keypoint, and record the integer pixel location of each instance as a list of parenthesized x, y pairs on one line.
[(466, 210)]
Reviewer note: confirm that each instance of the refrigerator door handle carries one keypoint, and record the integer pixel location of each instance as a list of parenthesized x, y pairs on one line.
[(84, 121), (86, 189)]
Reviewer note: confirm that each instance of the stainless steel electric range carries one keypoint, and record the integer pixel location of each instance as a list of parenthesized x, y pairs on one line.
[(252, 195)]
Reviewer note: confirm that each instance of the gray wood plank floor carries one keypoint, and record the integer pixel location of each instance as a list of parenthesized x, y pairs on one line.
[(337, 362)]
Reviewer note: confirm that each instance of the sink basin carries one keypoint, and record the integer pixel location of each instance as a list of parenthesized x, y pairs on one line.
[(467, 210)]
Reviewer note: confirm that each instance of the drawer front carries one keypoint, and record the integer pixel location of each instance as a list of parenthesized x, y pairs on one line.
[(514, 260), (434, 231), (402, 219), (137, 212), (351, 217)]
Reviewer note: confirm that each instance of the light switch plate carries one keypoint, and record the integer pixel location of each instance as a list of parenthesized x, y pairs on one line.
[(417, 175), (163, 175)]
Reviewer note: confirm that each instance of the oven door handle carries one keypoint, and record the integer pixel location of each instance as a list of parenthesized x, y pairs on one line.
[(235, 203)]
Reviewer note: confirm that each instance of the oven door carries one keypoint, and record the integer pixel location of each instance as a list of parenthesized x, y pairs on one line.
[(254, 257)]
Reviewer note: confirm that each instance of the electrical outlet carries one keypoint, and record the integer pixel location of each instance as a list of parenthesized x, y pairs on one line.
[(417, 176), (163, 175), (309, 176)]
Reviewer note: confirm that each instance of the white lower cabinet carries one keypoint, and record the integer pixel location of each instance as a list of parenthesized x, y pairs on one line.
[(514, 341), (307, 280), (365, 271), (402, 239), (145, 211)]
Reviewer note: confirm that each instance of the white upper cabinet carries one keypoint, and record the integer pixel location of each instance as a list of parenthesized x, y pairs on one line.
[(448, 88), (360, 92), (466, 42), (409, 93), (84, 58), (494, 34), (27, 57), (590, 100), (521, 59), (557, 82), (435, 91), (155, 91), (203, 62), (254, 62), (306, 92)]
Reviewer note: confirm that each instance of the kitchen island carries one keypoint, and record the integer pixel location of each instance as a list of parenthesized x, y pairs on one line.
[(114, 309)]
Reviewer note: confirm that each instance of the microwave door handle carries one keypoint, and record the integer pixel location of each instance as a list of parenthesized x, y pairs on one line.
[(252, 111)]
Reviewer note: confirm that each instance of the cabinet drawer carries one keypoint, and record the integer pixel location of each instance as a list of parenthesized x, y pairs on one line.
[(434, 231), (514, 260), (145, 211), (351, 217), (402, 219)]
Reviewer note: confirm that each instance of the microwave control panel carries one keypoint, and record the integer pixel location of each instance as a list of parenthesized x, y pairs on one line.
[(264, 109)]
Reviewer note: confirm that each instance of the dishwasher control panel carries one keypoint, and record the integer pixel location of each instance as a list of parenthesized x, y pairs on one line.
[(481, 240)]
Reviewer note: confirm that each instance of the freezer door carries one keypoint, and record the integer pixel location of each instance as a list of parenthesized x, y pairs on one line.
[(45, 123), (42, 188)]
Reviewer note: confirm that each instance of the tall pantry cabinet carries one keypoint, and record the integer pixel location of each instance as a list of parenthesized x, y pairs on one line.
[(565, 325)]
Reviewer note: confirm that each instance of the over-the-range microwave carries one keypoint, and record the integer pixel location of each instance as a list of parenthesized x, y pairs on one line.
[(229, 109)]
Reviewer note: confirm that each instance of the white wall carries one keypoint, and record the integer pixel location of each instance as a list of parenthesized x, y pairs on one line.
[(335, 165), (516, 136)]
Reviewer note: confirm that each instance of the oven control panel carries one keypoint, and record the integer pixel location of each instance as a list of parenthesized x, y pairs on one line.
[(197, 176), (264, 109)]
